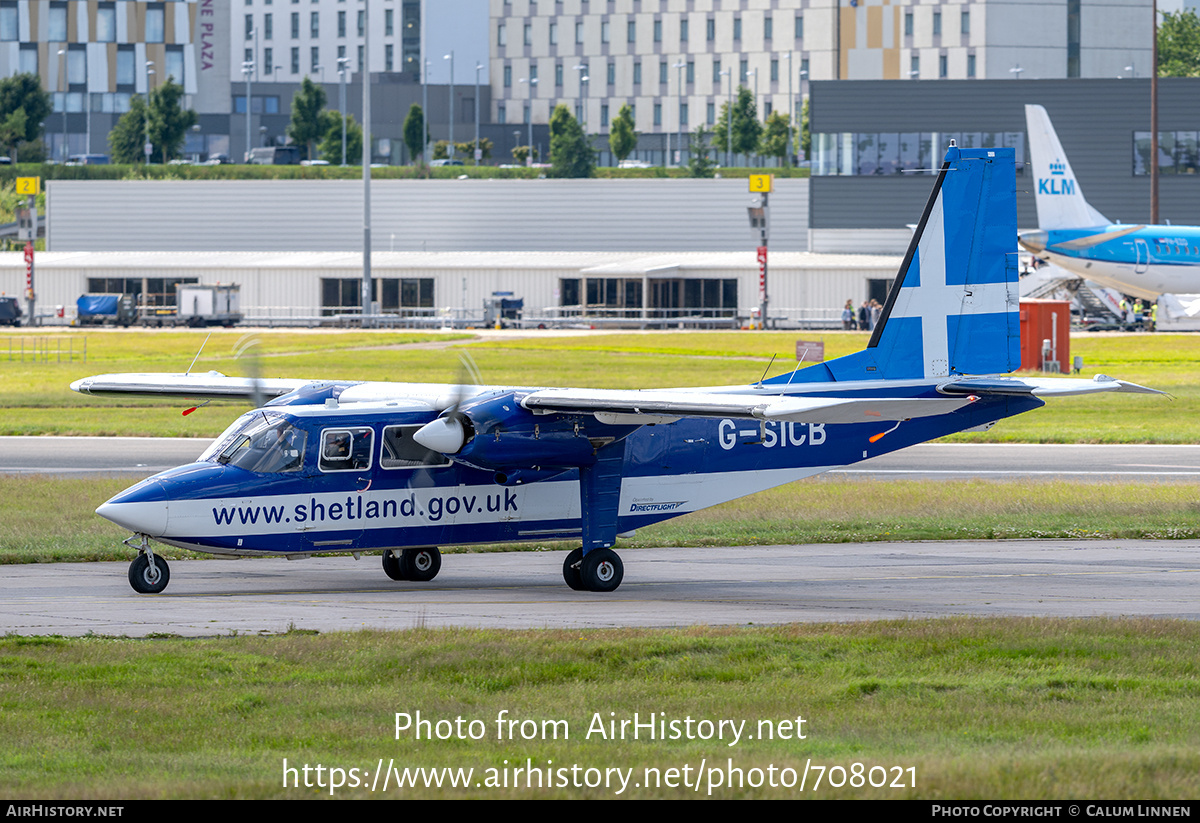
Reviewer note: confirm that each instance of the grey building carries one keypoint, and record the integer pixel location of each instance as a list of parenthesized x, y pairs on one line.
[(874, 143)]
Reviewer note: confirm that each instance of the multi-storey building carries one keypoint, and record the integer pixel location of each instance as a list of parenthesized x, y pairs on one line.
[(93, 56), (675, 62), (287, 40)]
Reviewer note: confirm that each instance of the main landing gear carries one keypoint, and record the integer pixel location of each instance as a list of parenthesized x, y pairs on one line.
[(148, 574), (412, 564), (600, 570)]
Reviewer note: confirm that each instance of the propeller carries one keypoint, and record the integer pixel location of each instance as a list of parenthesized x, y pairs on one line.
[(449, 432), (247, 346)]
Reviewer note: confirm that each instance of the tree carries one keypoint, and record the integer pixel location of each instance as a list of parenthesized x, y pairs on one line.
[(521, 154), (805, 132), (331, 144), (570, 153), (12, 133), (622, 138), (465, 150), (414, 132), (167, 121), (700, 164), (23, 93), (776, 136), (305, 126), (1179, 44), (127, 136), (746, 131)]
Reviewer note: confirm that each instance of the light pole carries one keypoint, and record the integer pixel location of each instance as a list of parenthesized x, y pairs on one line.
[(532, 82), (62, 73), (425, 113), (583, 79), (342, 62), (729, 119), (791, 108), (450, 148), (478, 151), (149, 149), (681, 65), (247, 72)]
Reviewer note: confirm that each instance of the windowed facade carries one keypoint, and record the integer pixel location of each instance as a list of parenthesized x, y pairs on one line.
[(875, 153), (405, 296), (662, 298)]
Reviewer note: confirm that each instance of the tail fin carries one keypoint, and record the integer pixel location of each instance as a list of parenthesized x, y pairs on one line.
[(1060, 202), (953, 307)]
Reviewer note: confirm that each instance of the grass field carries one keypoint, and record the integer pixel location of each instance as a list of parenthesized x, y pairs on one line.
[(35, 399), (968, 709), (945, 709)]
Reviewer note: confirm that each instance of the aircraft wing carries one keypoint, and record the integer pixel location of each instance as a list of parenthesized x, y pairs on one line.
[(1043, 386), (208, 385), (634, 406)]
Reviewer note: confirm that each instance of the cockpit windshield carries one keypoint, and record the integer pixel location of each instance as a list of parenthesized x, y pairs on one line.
[(261, 442)]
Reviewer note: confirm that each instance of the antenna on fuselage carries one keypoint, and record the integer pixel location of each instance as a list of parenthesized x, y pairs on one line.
[(197, 357)]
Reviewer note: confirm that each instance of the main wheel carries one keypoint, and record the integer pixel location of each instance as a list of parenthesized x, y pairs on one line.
[(421, 564), (571, 570), (392, 566), (601, 570), (147, 580)]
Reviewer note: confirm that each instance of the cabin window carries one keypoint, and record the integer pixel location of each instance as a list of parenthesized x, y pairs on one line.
[(400, 451), (346, 449)]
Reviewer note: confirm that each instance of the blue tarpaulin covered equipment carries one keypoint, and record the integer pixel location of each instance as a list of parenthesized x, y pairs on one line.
[(97, 305)]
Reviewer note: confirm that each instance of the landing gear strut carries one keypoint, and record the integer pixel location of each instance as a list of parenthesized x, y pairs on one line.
[(420, 565), (600, 570), (148, 574)]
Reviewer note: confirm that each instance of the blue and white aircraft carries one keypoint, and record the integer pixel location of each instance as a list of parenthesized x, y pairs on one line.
[(1139, 260), (403, 468)]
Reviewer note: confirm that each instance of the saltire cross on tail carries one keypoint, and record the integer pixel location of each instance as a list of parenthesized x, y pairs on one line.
[(346, 466)]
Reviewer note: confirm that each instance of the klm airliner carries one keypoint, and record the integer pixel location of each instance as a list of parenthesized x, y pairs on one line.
[(1140, 260)]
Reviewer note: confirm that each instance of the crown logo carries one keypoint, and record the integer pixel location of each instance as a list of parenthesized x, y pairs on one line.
[(1058, 167)]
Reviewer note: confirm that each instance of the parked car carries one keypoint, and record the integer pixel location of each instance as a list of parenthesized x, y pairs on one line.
[(88, 160), (10, 311), (445, 162), (275, 156)]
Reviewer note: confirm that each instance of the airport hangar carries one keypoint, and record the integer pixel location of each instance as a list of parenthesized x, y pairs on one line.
[(616, 249), (588, 251)]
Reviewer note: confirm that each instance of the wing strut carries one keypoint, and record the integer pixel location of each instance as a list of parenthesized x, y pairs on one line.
[(600, 493)]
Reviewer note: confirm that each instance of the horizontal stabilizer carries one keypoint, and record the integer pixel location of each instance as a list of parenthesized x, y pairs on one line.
[(631, 404), (1044, 386)]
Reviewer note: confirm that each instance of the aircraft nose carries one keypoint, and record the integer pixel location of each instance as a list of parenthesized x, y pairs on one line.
[(1034, 241), (136, 510)]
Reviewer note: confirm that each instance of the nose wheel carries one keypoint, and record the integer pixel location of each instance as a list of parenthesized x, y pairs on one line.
[(600, 570), (149, 574)]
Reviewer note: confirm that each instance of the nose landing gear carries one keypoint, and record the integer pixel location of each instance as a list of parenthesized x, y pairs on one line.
[(148, 574)]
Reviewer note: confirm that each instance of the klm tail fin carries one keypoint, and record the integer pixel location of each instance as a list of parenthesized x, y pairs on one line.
[(1060, 202), (953, 308)]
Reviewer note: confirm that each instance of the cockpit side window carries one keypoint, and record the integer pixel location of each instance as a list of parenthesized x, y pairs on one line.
[(267, 444), (346, 449)]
